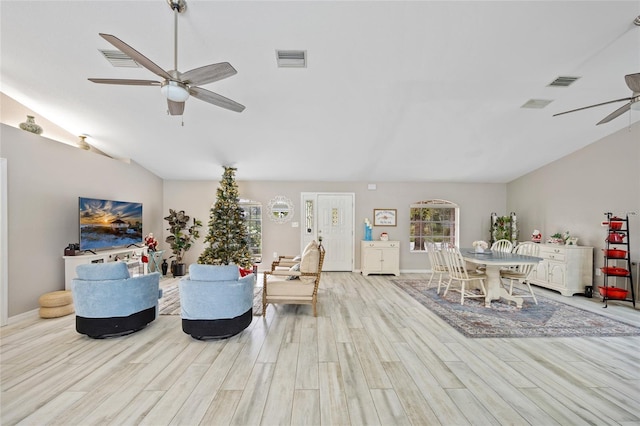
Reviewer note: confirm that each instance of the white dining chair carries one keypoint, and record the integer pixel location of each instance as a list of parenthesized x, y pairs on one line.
[(458, 273), (520, 273), (438, 264), (504, 246)]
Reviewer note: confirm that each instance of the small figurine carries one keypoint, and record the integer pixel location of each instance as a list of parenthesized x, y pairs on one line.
[(151, 242), (536, 236)]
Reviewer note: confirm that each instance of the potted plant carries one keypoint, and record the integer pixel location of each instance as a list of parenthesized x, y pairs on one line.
[(181, 238)]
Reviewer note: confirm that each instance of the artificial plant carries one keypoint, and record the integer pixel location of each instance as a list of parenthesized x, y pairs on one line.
[(182, 235)]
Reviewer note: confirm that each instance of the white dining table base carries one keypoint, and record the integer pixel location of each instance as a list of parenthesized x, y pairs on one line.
[(494, 288)]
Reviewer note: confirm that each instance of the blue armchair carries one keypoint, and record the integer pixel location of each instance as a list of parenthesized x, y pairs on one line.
[(216, 302), (110, 303)]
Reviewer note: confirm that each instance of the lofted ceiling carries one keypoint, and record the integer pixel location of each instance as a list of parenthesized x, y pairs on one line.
[(393, 90)]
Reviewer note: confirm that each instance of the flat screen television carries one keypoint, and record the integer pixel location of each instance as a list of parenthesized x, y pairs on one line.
[(106, 224)]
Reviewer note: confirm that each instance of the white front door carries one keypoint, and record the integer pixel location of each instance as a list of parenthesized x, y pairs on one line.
[(330, 216)]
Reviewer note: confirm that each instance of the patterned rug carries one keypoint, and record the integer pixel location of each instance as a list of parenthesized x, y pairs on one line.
[(548, 318), (169, 304)]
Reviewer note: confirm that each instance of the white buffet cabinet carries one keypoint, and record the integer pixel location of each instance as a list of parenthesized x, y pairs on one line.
[(130, 255), (380, 257), (567, 269)]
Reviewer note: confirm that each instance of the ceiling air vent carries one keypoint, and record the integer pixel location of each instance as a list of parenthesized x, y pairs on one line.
[(563, 81), (536, 103), (119, 59), (291, 58)]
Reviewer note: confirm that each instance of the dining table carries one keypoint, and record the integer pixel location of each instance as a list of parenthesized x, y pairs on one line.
[(494, 261)]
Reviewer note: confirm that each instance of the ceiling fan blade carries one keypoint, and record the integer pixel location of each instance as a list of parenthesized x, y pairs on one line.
[(215, 99), (208, 74), (175, 108), (633, 81), (136, 56), (125, 82), (591, 106), (616, 113)]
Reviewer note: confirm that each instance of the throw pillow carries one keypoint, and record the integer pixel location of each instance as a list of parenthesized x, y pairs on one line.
[(310, 259), (295, 267)]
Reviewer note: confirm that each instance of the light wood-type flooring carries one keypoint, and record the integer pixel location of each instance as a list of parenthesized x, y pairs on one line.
[(373, 356)]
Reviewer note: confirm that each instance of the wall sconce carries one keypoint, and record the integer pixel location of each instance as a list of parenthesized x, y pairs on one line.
[(82, 143)]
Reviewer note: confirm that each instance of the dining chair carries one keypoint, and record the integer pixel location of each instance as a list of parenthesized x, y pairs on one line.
[(438, 264), (520, 273), (505, 246), (458, 272)]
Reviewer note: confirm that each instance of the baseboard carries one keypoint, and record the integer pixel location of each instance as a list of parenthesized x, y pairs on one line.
[(23, 316)]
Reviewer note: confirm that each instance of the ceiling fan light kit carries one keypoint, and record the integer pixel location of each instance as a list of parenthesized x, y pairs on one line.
[(176, 86), (175, 91)]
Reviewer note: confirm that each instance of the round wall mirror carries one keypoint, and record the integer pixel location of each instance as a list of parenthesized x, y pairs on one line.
[(280, 209)]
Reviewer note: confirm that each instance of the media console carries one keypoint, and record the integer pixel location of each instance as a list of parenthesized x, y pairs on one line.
[(131, 255)]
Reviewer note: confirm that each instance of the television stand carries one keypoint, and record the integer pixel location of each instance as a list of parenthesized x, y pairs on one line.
[(131, 256)]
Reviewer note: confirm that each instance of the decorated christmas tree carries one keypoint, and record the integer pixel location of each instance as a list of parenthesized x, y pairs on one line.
[(227, 237)]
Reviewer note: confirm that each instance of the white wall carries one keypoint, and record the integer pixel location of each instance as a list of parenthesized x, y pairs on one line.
[(571, 194), (476, 201), (45, 179)]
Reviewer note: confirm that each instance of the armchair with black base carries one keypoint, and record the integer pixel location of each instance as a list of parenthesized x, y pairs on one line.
[(215, 301), (108, 302)]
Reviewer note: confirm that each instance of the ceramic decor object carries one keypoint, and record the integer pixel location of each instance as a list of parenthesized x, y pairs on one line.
[(31, 126)]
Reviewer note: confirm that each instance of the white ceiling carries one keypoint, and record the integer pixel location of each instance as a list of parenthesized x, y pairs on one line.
[(394, 91)]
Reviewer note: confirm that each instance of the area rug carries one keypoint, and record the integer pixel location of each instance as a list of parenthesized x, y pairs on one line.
[(169, 304), (548, 318)]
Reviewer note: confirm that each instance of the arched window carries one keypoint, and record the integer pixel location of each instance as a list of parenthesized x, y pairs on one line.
[(253, 220), (433, 221)]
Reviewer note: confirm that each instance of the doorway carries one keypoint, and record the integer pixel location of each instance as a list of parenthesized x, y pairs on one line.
[(330, 217)]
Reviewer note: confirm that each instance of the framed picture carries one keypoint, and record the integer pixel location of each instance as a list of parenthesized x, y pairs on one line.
[(384, 217)]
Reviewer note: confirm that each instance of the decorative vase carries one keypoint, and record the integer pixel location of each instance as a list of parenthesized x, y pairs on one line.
[(31, 126), (479, 249)]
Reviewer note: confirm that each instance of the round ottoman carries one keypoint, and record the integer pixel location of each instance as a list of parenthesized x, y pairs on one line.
[(56, 304)]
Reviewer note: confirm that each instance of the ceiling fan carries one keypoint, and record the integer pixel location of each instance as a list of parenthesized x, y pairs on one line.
[(176, 86), (633, 81)]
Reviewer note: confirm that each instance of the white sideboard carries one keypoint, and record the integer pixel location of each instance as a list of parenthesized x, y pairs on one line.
[(567, 269), (380, 257), (130, 255)]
